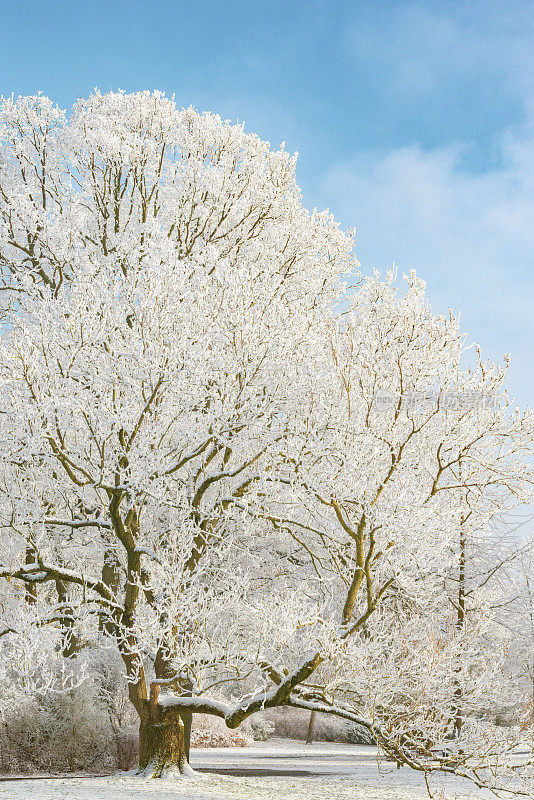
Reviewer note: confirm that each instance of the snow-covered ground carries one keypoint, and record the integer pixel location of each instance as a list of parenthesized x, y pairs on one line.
[(318, 772)]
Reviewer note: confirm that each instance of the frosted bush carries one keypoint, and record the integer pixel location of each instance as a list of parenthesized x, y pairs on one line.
[(261, 728), (58, 733)]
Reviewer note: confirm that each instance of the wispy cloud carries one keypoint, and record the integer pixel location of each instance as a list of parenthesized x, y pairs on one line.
[(449, 188), (470, 235), (421, 46)]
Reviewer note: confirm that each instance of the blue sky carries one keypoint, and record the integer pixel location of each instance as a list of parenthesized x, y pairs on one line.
[(414, 121)]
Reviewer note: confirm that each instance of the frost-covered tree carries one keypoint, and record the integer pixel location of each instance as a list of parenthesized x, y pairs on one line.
[(178, 245), (415, 455), (221, 461)]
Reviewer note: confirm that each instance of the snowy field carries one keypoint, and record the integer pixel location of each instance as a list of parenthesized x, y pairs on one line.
[(273, 771)]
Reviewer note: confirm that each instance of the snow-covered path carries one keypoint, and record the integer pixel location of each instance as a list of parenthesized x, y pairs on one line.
[(320, 772)]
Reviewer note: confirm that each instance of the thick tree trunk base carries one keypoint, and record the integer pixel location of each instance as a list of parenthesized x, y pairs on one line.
[(162, 751), (162, 742)]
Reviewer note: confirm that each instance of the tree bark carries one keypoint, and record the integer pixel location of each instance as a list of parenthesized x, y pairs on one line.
[(188, 722), (162, 745), (309, 737), (165, 671)]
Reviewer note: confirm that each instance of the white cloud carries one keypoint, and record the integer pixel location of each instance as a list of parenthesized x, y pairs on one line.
[(471, 236)]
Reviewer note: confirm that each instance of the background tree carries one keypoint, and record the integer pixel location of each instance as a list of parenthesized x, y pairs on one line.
[(517, 618)]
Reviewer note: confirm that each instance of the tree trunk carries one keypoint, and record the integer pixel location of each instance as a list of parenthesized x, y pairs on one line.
[(165, 671), (188, 722), (309, 737), (30, 591), (70, 644), (163, 732), (111, 578), (460, 623), (162, 741)]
